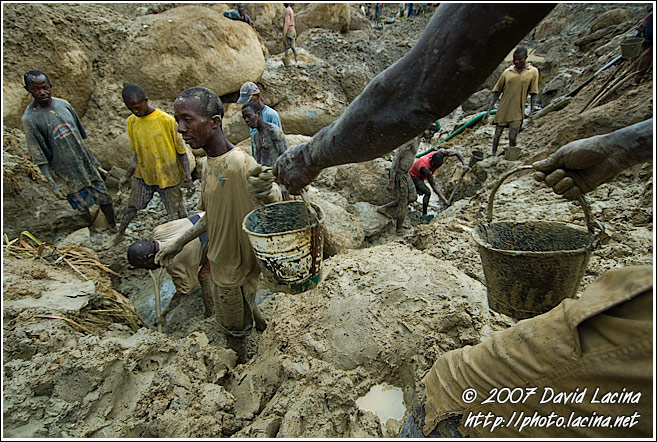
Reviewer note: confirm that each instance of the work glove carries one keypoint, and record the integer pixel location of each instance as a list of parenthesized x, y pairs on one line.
[(261, 185)]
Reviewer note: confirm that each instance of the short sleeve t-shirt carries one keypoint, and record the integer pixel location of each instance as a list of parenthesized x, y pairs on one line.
[(226, 201), (156, 141), (184, 267), (514, 88), (270, 116), (55, 136), (269, 145)]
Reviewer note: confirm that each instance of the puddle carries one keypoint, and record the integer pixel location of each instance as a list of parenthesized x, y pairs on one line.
[(144, 300), (385, 401)]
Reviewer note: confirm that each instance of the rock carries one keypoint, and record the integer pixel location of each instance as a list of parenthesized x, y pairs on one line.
[(332, 16), (193, 45), (309, 119), (372, 221), (613, 17), (69, 66), (233, 124), (79, 237), (342, 229), (364, 181), (478, 101)]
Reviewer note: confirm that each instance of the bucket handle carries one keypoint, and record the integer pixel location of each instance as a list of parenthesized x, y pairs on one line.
[(591, 224)]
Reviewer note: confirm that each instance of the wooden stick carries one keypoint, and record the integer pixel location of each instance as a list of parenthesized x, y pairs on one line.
[(156, 285)]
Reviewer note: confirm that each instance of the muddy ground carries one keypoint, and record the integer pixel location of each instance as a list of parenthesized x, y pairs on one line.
[(82, 358)]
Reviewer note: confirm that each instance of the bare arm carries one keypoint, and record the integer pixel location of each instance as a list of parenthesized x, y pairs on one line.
[(582, 165), (429, 176), (457, 154), (56, 188), (445, 65), (493, 100), (182, 157), (130, 171), (167, 253), (532, 105)]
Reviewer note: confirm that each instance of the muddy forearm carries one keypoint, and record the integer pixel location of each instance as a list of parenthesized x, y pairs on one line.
[(45, 170), (493, 100), (444, 68), (630, 145), (184, 162)]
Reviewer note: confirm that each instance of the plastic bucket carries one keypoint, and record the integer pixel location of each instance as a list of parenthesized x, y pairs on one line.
[(631, 47), (288, 241), (530, 267)]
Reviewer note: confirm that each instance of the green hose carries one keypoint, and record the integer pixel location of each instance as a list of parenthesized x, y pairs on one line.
[(470, 123)]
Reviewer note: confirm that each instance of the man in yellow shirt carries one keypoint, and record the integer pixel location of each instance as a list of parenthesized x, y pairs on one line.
[(514, 84), (160, 162)]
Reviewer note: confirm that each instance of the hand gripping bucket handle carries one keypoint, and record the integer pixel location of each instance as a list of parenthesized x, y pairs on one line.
[(591, 224), (530, 267)]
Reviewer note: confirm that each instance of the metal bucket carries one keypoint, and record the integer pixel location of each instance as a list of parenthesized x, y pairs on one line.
[(631, 47), (530, 267), (288, 240), (475, 157)]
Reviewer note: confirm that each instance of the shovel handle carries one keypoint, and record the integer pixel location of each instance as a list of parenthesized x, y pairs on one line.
[(591, 225)]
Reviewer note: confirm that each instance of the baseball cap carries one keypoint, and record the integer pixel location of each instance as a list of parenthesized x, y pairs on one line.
[(435, 126), (249, 88)]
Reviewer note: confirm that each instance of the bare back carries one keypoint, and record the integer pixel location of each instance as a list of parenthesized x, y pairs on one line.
[(288, 20), (405, 156)]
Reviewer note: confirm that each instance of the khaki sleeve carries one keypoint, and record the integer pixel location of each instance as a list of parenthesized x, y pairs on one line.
[(533, 86), (501, 82)]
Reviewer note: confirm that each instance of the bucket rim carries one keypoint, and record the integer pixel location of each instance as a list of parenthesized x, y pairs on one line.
[(314, 224), (486, 245)]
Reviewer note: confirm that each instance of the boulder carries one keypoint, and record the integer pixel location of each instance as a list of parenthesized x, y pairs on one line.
[(372, 221), (191, 46), (308, 119), (62, 56), (365, 181), (342, 230), (233, 124), (478, 101), (612, 17), (332, 16)]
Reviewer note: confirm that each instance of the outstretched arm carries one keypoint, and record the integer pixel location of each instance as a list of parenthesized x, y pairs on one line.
[(445, 67), (429, 176), (167, 253), (582, 165), (457, 154)]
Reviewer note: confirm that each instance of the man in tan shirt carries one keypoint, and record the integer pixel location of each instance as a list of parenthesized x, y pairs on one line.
[(226, 200), (514, 84)]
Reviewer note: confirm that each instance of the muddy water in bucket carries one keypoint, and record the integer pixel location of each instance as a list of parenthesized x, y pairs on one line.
[(288, 241), (530, 267)]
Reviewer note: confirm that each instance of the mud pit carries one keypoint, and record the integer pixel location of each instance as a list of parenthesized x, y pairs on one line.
[(388, 304)]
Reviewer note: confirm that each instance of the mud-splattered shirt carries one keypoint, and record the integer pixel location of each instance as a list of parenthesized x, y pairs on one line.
[(226, 201), (55, 136), (269, 144), (156, 141)]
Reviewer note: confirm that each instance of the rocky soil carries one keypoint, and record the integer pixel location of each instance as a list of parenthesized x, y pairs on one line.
[(81, 356)]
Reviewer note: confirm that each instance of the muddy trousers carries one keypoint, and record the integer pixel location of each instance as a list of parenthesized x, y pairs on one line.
[(235, 309)]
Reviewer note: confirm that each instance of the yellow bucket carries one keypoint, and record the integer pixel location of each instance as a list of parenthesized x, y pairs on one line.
[(288, 240)]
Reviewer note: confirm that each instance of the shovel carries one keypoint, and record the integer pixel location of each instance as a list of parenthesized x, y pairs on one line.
[(475, 158)]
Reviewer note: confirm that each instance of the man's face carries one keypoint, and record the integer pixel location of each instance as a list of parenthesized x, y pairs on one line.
[(40, 89), (250, 117), (194, 125), (519, 61), (136, 106)]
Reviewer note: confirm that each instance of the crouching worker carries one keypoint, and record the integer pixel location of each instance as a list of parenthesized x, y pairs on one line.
[(232, 184), (188, 268)]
